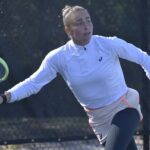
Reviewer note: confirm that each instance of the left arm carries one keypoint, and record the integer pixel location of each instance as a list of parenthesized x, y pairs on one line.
[(130, 52)]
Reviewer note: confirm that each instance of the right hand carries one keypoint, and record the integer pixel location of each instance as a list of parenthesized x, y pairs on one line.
[(5, 98)]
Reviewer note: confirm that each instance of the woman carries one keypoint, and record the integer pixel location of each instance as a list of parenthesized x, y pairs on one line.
[(90, 66)]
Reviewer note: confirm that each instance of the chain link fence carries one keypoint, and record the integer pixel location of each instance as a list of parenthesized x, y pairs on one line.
[(53, 119)]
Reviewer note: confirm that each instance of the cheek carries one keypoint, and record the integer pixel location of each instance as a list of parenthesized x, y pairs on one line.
[(79, 32), (76, 33)]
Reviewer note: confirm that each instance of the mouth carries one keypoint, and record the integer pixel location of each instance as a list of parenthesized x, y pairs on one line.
[(87, 34)]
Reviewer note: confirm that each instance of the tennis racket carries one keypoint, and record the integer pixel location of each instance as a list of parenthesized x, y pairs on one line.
[(4, 70)]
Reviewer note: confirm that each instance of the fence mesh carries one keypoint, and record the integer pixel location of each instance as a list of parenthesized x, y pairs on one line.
[(29, 29), (68, 145)]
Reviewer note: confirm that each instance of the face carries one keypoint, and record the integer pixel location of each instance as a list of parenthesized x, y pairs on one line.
[(80, 27)]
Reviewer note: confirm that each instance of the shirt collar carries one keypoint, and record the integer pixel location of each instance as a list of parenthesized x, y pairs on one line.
[(78, 49)]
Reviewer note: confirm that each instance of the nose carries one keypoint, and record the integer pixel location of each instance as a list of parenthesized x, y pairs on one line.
[(86, 26)]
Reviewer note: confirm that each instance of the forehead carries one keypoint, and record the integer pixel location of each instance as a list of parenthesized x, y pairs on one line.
[(79, 15)]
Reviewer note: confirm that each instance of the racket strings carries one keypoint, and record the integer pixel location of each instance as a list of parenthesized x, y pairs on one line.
[(2, 71)]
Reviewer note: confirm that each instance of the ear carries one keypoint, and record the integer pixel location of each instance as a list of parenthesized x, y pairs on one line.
[(68, 31), (66, 28)]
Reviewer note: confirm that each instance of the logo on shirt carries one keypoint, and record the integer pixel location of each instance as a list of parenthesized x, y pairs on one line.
[(100, 59)]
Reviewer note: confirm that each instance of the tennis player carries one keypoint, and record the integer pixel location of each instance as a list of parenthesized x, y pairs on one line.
[(90, 66)]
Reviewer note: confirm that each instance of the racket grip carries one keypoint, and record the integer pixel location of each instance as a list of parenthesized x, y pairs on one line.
[(4, 99)]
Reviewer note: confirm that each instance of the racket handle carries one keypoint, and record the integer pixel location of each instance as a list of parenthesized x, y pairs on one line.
[(3, 99)]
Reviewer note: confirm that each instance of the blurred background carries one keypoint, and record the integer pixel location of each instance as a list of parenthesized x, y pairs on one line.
[(53, 119)]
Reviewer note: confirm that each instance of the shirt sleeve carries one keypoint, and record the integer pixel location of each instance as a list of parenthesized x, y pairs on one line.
[(132, 53), (32, 85)]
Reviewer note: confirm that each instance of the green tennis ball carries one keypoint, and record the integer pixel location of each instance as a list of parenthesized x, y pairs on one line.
[(6, 70)]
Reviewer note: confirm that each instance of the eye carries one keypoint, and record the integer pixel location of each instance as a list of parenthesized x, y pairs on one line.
[(78, 23), (89, 21)]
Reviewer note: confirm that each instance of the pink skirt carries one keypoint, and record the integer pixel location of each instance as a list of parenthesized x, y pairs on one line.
[(100, 119)]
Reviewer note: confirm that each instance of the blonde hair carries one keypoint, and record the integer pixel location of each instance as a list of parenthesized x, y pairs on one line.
[(67, 11)]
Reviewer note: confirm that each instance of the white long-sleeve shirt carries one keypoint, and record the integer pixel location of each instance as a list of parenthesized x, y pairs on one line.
[(92, 72)]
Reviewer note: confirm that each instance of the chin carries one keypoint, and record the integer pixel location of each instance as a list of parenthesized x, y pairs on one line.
[(83, 41), (87, 40)]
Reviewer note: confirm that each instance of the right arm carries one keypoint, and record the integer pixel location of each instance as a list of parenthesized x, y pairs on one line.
[(32, 85)]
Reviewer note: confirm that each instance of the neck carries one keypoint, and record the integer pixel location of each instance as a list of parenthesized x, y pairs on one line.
[(80, 43)]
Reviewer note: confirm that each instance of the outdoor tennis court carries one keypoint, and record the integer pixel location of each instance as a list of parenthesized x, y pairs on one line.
[(53, 119), (70, 145)]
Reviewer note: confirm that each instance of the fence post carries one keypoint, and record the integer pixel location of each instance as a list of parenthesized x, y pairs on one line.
[(146, 85)]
